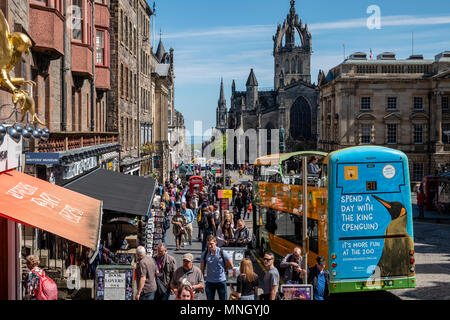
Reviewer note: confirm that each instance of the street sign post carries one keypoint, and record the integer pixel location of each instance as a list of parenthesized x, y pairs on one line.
[(225, 194)]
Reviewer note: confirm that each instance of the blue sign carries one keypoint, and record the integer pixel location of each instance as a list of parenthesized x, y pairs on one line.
[(41, 158)]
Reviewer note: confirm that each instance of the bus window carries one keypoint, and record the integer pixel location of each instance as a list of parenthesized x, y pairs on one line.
[(323, 177), (313, 234), (271, 222), (298, 229)]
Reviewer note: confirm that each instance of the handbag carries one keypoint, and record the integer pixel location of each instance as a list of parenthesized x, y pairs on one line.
[(232, 297), (161, 289)]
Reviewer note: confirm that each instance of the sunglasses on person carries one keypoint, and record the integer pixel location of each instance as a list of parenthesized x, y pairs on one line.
[(267, 259)]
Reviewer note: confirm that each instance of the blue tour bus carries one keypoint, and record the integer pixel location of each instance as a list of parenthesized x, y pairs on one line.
[(370, 227)]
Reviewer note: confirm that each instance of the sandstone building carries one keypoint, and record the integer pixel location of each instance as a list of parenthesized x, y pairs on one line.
[(397, 103)]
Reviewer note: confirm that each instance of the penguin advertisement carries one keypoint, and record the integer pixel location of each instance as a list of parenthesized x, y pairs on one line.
[(370, 215)]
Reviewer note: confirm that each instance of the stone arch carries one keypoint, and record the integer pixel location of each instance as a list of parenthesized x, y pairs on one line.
[(300, 119)]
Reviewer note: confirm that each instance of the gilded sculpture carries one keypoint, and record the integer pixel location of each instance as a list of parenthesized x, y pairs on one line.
[(12, 46)]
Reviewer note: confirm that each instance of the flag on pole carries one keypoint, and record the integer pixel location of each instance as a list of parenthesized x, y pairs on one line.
[(370, 53)]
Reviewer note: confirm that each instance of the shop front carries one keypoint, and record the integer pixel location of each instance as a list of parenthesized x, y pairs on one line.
[(10, 158), (63, 167), (41, 206), (127, 200)]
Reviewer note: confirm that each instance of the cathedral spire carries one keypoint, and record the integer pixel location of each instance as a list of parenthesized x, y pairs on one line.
[(222, 95), (251, 81)]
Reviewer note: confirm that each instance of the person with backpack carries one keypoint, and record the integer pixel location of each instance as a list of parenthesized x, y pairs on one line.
[(216, 262), (209, 225), (189, 215), (39, 286)]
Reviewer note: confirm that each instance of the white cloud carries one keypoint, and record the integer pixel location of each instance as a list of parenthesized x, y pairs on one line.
[(255, 30)]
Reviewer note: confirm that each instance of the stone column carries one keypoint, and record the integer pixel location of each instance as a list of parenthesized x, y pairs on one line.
[(438, 131)]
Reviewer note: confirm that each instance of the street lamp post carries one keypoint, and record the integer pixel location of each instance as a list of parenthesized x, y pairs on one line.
[(305, 241)]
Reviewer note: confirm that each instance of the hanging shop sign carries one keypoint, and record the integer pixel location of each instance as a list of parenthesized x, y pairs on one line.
[(41, 158)]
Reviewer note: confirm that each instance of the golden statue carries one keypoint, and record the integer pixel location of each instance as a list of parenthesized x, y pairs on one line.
[(12, 46)]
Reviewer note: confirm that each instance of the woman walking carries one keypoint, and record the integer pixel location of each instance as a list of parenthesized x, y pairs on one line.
[(247, 282), (178, 221)]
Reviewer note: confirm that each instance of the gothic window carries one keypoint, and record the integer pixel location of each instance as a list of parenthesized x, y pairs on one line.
[(286, 67), (293, 66), (300, 119), (299, 67)]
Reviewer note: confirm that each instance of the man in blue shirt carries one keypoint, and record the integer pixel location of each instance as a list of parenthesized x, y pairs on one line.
[(216, 262), (190, 218), (319, 277)]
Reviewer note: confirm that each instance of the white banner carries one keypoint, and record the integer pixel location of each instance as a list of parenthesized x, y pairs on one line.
[(10, 153)]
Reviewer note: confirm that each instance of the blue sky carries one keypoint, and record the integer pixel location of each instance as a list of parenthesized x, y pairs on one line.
[(225, 38)]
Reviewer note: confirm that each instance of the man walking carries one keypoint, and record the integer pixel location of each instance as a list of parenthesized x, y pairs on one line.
[(319, 277), (271, 278), (145, 275), (242, 235), (188, 274), (216, 262), (165, 267), (189, 219)]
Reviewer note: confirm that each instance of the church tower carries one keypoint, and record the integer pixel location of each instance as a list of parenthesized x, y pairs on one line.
[(221, 112), (292, 60), (251, 99)]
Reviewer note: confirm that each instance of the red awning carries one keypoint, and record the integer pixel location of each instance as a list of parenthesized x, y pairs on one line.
[(40, 204)]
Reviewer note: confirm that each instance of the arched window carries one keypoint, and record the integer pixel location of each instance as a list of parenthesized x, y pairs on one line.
[(286, 67), (293, 66), (299, 67), (300, 119)]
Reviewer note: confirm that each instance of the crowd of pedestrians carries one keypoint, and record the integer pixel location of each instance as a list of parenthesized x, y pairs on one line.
[(158, 277)]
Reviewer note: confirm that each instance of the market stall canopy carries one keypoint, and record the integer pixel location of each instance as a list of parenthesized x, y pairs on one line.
[(119, 192), (40, 204)]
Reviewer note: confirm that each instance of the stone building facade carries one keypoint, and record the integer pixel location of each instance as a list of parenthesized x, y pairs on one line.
[(69, 62), (291, 105), (163, 82), (397, 103)]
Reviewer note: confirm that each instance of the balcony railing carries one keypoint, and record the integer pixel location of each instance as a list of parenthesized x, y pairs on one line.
[(64, 141)]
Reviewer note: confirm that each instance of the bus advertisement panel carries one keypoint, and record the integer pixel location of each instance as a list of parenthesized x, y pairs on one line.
[(370, 220)]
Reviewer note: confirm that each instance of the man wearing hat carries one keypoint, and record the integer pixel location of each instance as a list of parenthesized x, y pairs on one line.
[(188, 274), (319, 277)]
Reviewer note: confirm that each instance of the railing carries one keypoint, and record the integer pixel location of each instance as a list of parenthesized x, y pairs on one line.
[(64, 141)]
